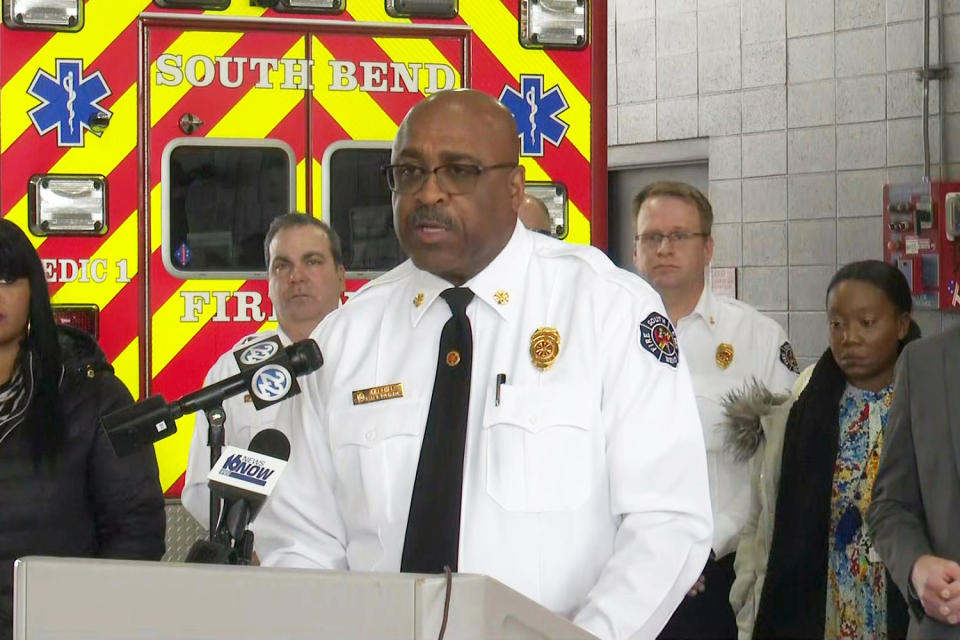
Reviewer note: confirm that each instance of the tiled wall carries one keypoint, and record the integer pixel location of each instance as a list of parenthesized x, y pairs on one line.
[(810, 106)]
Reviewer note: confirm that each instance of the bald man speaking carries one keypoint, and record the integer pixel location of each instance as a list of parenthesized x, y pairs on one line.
[(502, 403)]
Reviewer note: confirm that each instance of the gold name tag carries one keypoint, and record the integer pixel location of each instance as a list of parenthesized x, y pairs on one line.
[(375, 394)]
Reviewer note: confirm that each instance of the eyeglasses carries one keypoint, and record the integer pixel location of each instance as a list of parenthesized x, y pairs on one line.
[(455, 178), (654, 240)]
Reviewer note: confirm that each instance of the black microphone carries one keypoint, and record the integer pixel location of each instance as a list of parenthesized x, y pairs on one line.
[(131, 428), (237, 478), (303, 357), (269, 442)]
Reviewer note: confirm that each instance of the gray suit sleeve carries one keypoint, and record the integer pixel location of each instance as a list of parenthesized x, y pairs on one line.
[(896, 515)]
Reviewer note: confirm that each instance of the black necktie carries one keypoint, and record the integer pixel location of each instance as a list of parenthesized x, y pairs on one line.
[(433, 526)]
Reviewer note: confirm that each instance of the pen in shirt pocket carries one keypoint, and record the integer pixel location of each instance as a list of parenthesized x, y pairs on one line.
[(501, 380)]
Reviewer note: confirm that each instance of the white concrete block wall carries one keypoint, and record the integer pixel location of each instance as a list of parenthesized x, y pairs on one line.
[(809, 107)]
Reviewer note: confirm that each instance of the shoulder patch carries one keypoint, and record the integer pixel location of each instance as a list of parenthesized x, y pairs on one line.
[(788, 359), (658, 337)]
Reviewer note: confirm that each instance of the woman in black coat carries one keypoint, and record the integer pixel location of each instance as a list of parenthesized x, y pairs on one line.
[(63, 492), (823, 579)]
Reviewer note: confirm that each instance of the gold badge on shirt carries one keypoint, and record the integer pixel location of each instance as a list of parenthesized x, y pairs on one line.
[(724, 355), (375, 394), (544, 347)]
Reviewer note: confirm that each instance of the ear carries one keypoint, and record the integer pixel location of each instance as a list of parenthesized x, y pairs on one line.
[(341, 279), (708, 251), (518, 182), (903, 325)]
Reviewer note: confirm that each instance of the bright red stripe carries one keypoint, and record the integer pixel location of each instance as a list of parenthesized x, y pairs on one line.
[(16, 49), (118, 320)]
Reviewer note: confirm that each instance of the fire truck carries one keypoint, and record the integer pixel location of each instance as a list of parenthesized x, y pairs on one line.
[(145, 146)]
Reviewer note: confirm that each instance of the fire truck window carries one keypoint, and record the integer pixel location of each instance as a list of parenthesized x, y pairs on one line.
[(360, 210), (222, 200)]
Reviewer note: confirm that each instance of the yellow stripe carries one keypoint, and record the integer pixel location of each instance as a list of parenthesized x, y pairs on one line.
[(156, 219), (317, 188), (497, 27), (578, 225), (170, 334), (359, 114), (121, 244), (269, 325), (104, 21), (172, 451), (18, 216), (301, 204), (127, 367)]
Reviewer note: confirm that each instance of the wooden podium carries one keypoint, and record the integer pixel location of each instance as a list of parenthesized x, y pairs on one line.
[(78, 599)]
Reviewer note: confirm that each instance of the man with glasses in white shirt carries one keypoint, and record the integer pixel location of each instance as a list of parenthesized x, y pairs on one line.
[(726, 344), (548, 465)]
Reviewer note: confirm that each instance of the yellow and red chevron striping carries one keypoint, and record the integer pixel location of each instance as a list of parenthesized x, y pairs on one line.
[(497, 61)]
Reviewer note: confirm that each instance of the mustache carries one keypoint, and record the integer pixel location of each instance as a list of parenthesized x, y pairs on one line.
[(432, 214)]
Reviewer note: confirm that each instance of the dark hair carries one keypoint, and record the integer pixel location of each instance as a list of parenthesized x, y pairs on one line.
[(888, 279), (18, 259), (297, 219), (680, 190)]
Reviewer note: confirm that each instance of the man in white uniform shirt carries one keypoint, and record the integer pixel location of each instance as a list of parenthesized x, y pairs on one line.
[(306, 280), (581, 479), (726, 343)]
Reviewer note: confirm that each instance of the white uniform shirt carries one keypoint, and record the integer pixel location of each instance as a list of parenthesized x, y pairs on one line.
[(584, 489), (760, 350), (243, 421)]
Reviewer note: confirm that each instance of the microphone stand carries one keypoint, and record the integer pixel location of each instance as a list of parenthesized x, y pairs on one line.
[(216, 417)]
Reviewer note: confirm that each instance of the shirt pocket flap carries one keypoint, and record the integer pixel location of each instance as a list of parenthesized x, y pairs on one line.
[(537, 408), (370, 425)]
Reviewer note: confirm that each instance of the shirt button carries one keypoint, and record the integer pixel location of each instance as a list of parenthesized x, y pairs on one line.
[(370, 435)]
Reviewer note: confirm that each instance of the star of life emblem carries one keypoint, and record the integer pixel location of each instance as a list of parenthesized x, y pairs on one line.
[(536, 113), (67, 101)]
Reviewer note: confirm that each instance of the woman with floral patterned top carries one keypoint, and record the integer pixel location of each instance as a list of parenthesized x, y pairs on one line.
[(822, 577)]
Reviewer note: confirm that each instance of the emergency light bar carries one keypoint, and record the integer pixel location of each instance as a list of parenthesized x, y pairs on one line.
[(47, 15), (553, 23), (422, 8), (67, 204)]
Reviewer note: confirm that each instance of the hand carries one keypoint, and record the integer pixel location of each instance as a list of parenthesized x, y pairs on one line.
[(699, 587), (937, 583)]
